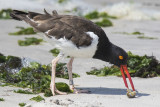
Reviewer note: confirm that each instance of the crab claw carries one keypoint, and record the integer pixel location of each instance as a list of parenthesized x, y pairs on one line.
[(131, 94)]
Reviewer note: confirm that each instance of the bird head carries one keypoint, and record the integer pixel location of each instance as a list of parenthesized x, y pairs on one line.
[(119, 57)]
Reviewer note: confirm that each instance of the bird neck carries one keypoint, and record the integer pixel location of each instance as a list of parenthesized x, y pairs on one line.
[(105, 52)]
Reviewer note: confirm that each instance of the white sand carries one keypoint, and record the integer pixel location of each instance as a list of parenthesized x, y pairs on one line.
[(105, 91)]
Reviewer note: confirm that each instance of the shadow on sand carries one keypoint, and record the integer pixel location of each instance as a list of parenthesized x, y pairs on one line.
[(110, 91)]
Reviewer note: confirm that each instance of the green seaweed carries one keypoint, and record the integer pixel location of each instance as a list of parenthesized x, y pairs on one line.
[(5, 14), (138, 66), (54, 51), (133, 33), (105, 15), (2, 99), (37, 77), (92, 15), (104, 23), (37, 99), (23, 31), (2, 58), (137, 33), (62, 1), (106, 71), (146, 37), (22, 104), (10, 62), (30, 41), (63, 87), (95, 15), (23, 91), (13, 62)]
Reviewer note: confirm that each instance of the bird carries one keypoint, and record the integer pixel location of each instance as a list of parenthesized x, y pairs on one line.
[(77, 37)]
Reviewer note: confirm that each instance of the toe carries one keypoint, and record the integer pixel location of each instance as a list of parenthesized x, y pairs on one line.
[(60, 93)]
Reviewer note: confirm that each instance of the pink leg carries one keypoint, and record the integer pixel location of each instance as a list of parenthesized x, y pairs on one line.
[(69, 67), (52, 85)]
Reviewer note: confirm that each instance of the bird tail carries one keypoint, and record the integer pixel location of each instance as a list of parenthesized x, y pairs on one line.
[(18, 15), (32, 18)]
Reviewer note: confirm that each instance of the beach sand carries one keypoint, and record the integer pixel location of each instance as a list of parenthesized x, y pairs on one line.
[(105, 91)]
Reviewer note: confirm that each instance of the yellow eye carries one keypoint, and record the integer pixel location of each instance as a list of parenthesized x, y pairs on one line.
[(121, 57)]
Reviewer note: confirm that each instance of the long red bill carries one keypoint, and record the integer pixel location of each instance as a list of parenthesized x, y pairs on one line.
[(124, 68)]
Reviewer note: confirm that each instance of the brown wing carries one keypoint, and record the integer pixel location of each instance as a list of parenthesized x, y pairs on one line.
[(73, 28), (59, 29), (82, 24), (60, 26)]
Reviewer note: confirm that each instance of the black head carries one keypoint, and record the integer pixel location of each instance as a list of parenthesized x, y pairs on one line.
[(117, 56), (113, 54)]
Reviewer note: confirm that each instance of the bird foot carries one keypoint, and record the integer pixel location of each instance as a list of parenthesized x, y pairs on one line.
[(76, 91), (131, 94), (60, 92), (55, 90)]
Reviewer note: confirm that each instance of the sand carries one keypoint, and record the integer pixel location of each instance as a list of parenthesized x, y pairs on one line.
[(105, 91)]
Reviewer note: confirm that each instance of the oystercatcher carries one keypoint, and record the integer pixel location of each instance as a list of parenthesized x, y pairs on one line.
[(77, 37)]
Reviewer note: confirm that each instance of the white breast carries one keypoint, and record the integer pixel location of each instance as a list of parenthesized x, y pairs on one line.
[(68, 48)]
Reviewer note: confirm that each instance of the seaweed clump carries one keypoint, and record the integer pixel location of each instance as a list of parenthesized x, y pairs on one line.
[(92, 15), (133, 33), (8, 66), (37, 77), (5, 14), (137, 33), (2, 58), (24, 31), (106, 71), (138, 66), (62, 1), (63, 87), (23, 91), (22, 104), (141, 35), (95, 15), (30, 41), (104, 23), (1, 99), (54, 51), (144, 66), (146, 37), (37, 99)]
